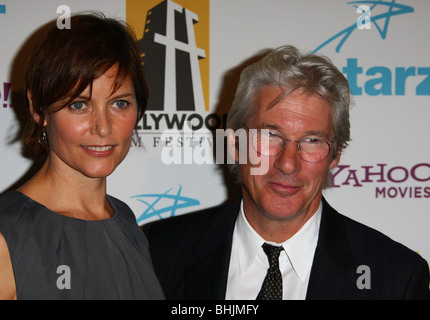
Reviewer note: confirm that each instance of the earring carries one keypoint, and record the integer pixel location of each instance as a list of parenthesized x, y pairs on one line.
[(44, 137)]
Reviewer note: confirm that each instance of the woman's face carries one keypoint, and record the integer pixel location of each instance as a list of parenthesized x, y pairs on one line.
[(92, 135)]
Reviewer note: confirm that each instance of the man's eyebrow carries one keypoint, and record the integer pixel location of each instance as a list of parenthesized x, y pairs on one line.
[(316, 133), (269, 126)]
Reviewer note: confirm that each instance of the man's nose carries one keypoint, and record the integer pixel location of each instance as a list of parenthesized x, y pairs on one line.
[(287, 160)]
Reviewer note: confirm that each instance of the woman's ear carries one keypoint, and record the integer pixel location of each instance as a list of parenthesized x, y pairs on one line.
[(37, 117)]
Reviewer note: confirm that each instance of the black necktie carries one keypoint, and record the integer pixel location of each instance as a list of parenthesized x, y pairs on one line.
[(272, 285)]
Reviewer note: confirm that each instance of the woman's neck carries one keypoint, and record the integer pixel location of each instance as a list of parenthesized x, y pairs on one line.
[(68, 192)]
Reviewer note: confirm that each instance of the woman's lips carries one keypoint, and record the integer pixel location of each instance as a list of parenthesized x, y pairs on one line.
[(99, 151)]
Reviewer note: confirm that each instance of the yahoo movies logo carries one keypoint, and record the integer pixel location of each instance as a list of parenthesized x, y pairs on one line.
[(379, 80), (391, 182)]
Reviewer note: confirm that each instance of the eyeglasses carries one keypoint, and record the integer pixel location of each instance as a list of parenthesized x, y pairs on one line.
[(269, 143)]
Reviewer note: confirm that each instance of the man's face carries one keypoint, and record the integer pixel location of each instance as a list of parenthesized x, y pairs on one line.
[(292, 188)]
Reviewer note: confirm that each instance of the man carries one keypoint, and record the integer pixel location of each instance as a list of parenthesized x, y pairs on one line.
[(294, 110)]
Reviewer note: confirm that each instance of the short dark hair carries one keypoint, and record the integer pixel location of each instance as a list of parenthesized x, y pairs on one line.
[(66, 61)]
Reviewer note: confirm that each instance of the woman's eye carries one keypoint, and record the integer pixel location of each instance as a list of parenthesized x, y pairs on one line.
[(120, 104), (78, 105)]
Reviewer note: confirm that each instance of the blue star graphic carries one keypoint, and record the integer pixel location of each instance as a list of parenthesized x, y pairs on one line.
[(178, 202), (393, 9)]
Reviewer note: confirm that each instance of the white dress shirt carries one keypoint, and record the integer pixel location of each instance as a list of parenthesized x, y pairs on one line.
[(249, 264)]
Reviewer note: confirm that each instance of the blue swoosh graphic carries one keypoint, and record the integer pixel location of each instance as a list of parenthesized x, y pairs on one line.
[(179, 202), (401, 9)]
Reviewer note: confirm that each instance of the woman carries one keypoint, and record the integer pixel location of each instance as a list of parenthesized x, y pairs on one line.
[(61, 235)]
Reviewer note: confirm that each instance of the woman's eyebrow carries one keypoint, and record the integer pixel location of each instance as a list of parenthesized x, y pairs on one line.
[(121, 95)]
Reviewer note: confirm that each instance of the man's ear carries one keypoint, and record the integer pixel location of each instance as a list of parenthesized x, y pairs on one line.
[(34, 114), (336, 160), (233, 149)]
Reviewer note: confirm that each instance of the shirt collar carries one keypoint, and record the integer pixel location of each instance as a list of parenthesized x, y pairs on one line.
[(300, 248)]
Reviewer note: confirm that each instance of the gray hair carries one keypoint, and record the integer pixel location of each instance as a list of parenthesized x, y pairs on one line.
[(287, 68)]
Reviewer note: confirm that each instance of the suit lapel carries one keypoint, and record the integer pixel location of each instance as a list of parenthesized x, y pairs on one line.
[(333, 273), (213, 257)]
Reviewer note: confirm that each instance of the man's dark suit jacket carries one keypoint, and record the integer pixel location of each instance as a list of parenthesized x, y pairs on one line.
[(191, 255)]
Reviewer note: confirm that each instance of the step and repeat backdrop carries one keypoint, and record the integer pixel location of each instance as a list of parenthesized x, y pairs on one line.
[(193, 52)]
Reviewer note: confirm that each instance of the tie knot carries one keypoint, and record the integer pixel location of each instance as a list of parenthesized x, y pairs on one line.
[(272, 253)]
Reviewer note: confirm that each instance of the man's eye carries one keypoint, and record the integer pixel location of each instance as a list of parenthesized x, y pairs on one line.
[(274, 135), (312, 141)]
